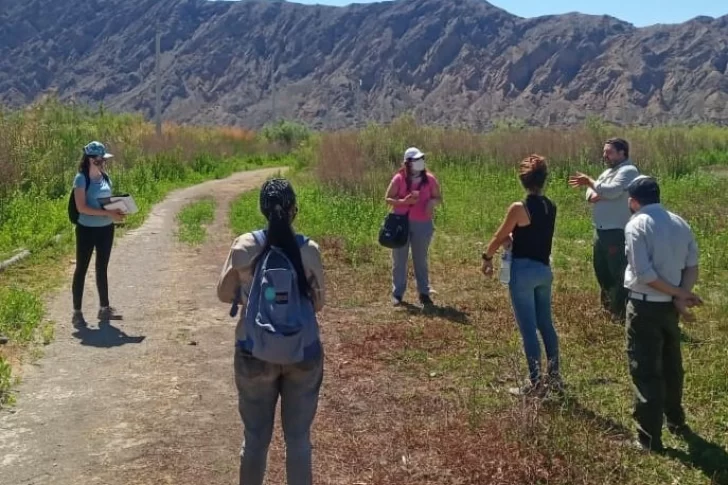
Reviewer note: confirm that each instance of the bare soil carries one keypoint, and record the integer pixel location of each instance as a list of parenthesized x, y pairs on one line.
[(151, 399)]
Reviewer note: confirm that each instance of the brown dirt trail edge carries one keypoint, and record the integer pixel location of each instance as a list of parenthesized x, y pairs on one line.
[(149, 399)]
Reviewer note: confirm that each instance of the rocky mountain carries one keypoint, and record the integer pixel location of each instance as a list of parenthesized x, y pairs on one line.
[(447, 61)]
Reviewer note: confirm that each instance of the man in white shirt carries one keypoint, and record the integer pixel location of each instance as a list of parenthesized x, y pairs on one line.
[(662, 268), (608, 197)]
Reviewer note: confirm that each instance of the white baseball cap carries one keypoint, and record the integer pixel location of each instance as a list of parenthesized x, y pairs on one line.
[(413, 153)]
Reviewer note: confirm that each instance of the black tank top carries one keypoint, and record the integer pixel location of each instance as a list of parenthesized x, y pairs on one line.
[(534, 240)]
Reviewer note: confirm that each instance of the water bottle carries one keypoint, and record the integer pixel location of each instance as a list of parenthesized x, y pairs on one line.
[(505, 267)]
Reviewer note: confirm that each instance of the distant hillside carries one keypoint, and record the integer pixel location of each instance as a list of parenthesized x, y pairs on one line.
[(448, 61)]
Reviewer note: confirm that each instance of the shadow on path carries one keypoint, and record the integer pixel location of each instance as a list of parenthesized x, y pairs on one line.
[(106, 336)]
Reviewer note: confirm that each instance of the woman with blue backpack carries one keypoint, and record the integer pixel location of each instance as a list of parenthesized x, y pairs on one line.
[(278, 277), (94, 228)]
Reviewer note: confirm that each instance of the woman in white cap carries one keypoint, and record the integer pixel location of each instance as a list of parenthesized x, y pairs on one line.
[(94, 228), (415, 192)]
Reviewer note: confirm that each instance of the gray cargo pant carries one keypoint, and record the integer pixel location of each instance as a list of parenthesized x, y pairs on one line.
[(419, 240)]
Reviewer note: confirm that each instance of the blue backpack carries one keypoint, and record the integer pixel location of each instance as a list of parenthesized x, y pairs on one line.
[(279, 322)]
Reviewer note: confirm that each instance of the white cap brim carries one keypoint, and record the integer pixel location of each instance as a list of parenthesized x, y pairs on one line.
[(413, 153), (108, 155)]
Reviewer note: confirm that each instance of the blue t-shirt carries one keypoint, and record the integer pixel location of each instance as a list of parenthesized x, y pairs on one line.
[(98, 189)]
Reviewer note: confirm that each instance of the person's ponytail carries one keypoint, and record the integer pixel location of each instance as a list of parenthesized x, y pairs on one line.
[(281, 235)]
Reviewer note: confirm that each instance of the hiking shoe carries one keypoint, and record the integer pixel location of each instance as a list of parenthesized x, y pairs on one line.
[(77, 320), (638, 445), (529, 390), (426, 300), (107, 313)]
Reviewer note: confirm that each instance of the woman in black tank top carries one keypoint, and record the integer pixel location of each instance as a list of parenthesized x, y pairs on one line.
[(527, 234), (534, 240)]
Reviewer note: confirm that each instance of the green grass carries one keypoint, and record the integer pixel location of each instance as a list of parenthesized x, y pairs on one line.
[(481, 355), (192, 220), (22, 287), (6, 383), (39, 153), (19, 314)]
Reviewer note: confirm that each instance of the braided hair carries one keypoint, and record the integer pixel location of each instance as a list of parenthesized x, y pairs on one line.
[(278, 205)]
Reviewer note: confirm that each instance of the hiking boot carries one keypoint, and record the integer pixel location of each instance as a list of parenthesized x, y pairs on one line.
[(107, 313), (77, 320), (426, 301)]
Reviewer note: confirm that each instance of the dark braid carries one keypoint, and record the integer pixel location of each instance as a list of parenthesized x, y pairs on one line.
[(277, 201)]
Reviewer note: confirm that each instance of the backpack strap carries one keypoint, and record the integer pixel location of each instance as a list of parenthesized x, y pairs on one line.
[(260, 238), (88, 179), (301, 240)]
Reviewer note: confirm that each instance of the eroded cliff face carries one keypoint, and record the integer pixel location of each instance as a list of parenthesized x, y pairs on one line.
[(464, 62)]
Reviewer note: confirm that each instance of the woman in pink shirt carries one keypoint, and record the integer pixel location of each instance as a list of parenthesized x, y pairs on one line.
[(415, 192)]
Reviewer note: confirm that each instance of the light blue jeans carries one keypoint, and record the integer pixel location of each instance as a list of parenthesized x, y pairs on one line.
[(259, 385), (419, 240), (530, 289)]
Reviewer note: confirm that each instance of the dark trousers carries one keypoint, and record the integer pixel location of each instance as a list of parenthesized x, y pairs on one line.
[(87, 239), (610, 263), (655, 365)]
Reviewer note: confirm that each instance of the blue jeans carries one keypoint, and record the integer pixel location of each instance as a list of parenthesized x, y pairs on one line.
[(420, 237), (259, 385), (530, 289)]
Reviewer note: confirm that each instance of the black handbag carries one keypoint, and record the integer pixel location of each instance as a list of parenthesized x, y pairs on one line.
[(394, 232)]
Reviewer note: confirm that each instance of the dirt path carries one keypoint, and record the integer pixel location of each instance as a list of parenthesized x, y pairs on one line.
[(134, 402), (157, 404)]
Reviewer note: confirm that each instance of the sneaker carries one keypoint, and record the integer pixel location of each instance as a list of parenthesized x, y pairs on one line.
[(396, 300), (108, 313), (426, 300), (77, 320), (529, 390), (638, 445)]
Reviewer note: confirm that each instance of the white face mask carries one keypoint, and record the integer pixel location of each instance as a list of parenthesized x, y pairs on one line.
[(418, 166)]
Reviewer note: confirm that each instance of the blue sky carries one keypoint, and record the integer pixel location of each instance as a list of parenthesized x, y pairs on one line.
[(638, 12)]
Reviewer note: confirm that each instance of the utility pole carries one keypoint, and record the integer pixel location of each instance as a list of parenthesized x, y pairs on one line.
[(358, 104), (158, 87), (273, 90)]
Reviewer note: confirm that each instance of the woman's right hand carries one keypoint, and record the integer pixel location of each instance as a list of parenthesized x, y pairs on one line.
[(411, 199), (117, 215), (487, 268)]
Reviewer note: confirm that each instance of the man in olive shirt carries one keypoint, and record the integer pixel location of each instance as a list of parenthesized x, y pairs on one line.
[(608, 196), (662, 269)]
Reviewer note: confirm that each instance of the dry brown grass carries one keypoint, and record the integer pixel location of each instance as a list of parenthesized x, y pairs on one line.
[(355, 159), (389, 418)]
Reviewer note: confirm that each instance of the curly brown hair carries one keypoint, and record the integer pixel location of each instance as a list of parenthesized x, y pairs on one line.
[(533, 172)]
